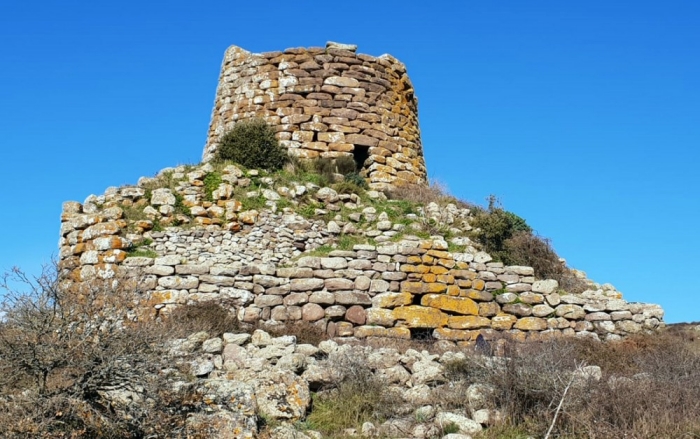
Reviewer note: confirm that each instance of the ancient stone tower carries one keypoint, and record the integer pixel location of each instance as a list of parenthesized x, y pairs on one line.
[(326, 102)]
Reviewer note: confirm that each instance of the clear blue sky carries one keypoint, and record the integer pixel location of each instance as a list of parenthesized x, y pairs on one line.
[(583, 117)]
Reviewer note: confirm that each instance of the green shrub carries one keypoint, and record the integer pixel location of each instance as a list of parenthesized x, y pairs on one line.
[(494, 226), (252, 143), (357, 179)]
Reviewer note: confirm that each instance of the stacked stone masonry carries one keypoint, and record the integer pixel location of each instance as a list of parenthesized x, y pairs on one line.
[(326, 102), (255, 262)]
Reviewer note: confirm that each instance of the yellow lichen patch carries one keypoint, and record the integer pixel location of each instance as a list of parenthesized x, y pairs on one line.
[(461, 305), (478, 284), (455, 334), (114, 256), (438, 270), (378, 331), (531, 324), (503, 321), (468, 322), (427, 259), (453, 290), (447, 263), (440, 254), (426, 245), (414, 260), (392, 300), (415, 316), (446, 279), (489, 309), (434, 288), (379, 316), (464, 283), (429, 277)]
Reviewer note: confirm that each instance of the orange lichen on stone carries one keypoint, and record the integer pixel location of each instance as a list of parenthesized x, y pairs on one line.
[(415, 316), (468, 322), (460, 305)]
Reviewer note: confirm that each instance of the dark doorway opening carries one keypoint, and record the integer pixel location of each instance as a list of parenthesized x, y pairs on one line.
[(360, 154), (422, 334)]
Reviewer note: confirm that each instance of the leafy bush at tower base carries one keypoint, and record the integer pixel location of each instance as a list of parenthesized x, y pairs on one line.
[(252, 143)]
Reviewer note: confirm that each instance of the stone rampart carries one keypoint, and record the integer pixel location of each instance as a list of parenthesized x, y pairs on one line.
[(326, 102), (257, 262)]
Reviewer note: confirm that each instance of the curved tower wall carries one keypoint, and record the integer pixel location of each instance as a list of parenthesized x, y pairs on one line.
[(326, 102)]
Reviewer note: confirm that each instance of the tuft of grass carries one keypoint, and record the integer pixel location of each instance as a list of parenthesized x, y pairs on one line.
[(211, 183), (356, 397)]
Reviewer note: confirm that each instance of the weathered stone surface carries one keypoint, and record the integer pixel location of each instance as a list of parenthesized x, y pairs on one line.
[(468, 322), (378, 316), (377, 331), (545, 286), (306, 284), (518, 309), (531, 324), (356, 314), (392, 300), (461, 305), (281, 394), (312, 312), (572, 312), (503, 322), (415, 316)]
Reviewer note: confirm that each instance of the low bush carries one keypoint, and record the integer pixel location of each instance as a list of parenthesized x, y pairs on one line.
[(209, 316), (424, 194), (509, 239), (356, 396), (252, 143), (73, 365)]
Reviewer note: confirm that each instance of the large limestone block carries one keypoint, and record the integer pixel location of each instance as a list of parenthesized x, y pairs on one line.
[(461, 305), (415, 316), (548, 286), (392, 300), (570, 311), (381, 317), (281, 394), (531, 324), (468, 322), (378, 331), (503, 322)]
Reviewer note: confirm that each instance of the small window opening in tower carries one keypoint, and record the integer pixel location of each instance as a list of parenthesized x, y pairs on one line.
[(360, 154)]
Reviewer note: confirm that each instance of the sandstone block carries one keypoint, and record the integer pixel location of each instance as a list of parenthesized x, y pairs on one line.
[(415, 316), (531, 324), (468, 322), (378, 316), (352, 298), (461, 305), (378, 331), (356, 314), (392, 300), (312, 312), (306, 284), (503, 322), (570, 311), (548, 286)]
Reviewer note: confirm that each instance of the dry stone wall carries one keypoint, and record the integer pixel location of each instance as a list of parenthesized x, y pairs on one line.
[(408, 289), (257, 263), (326, 102)]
